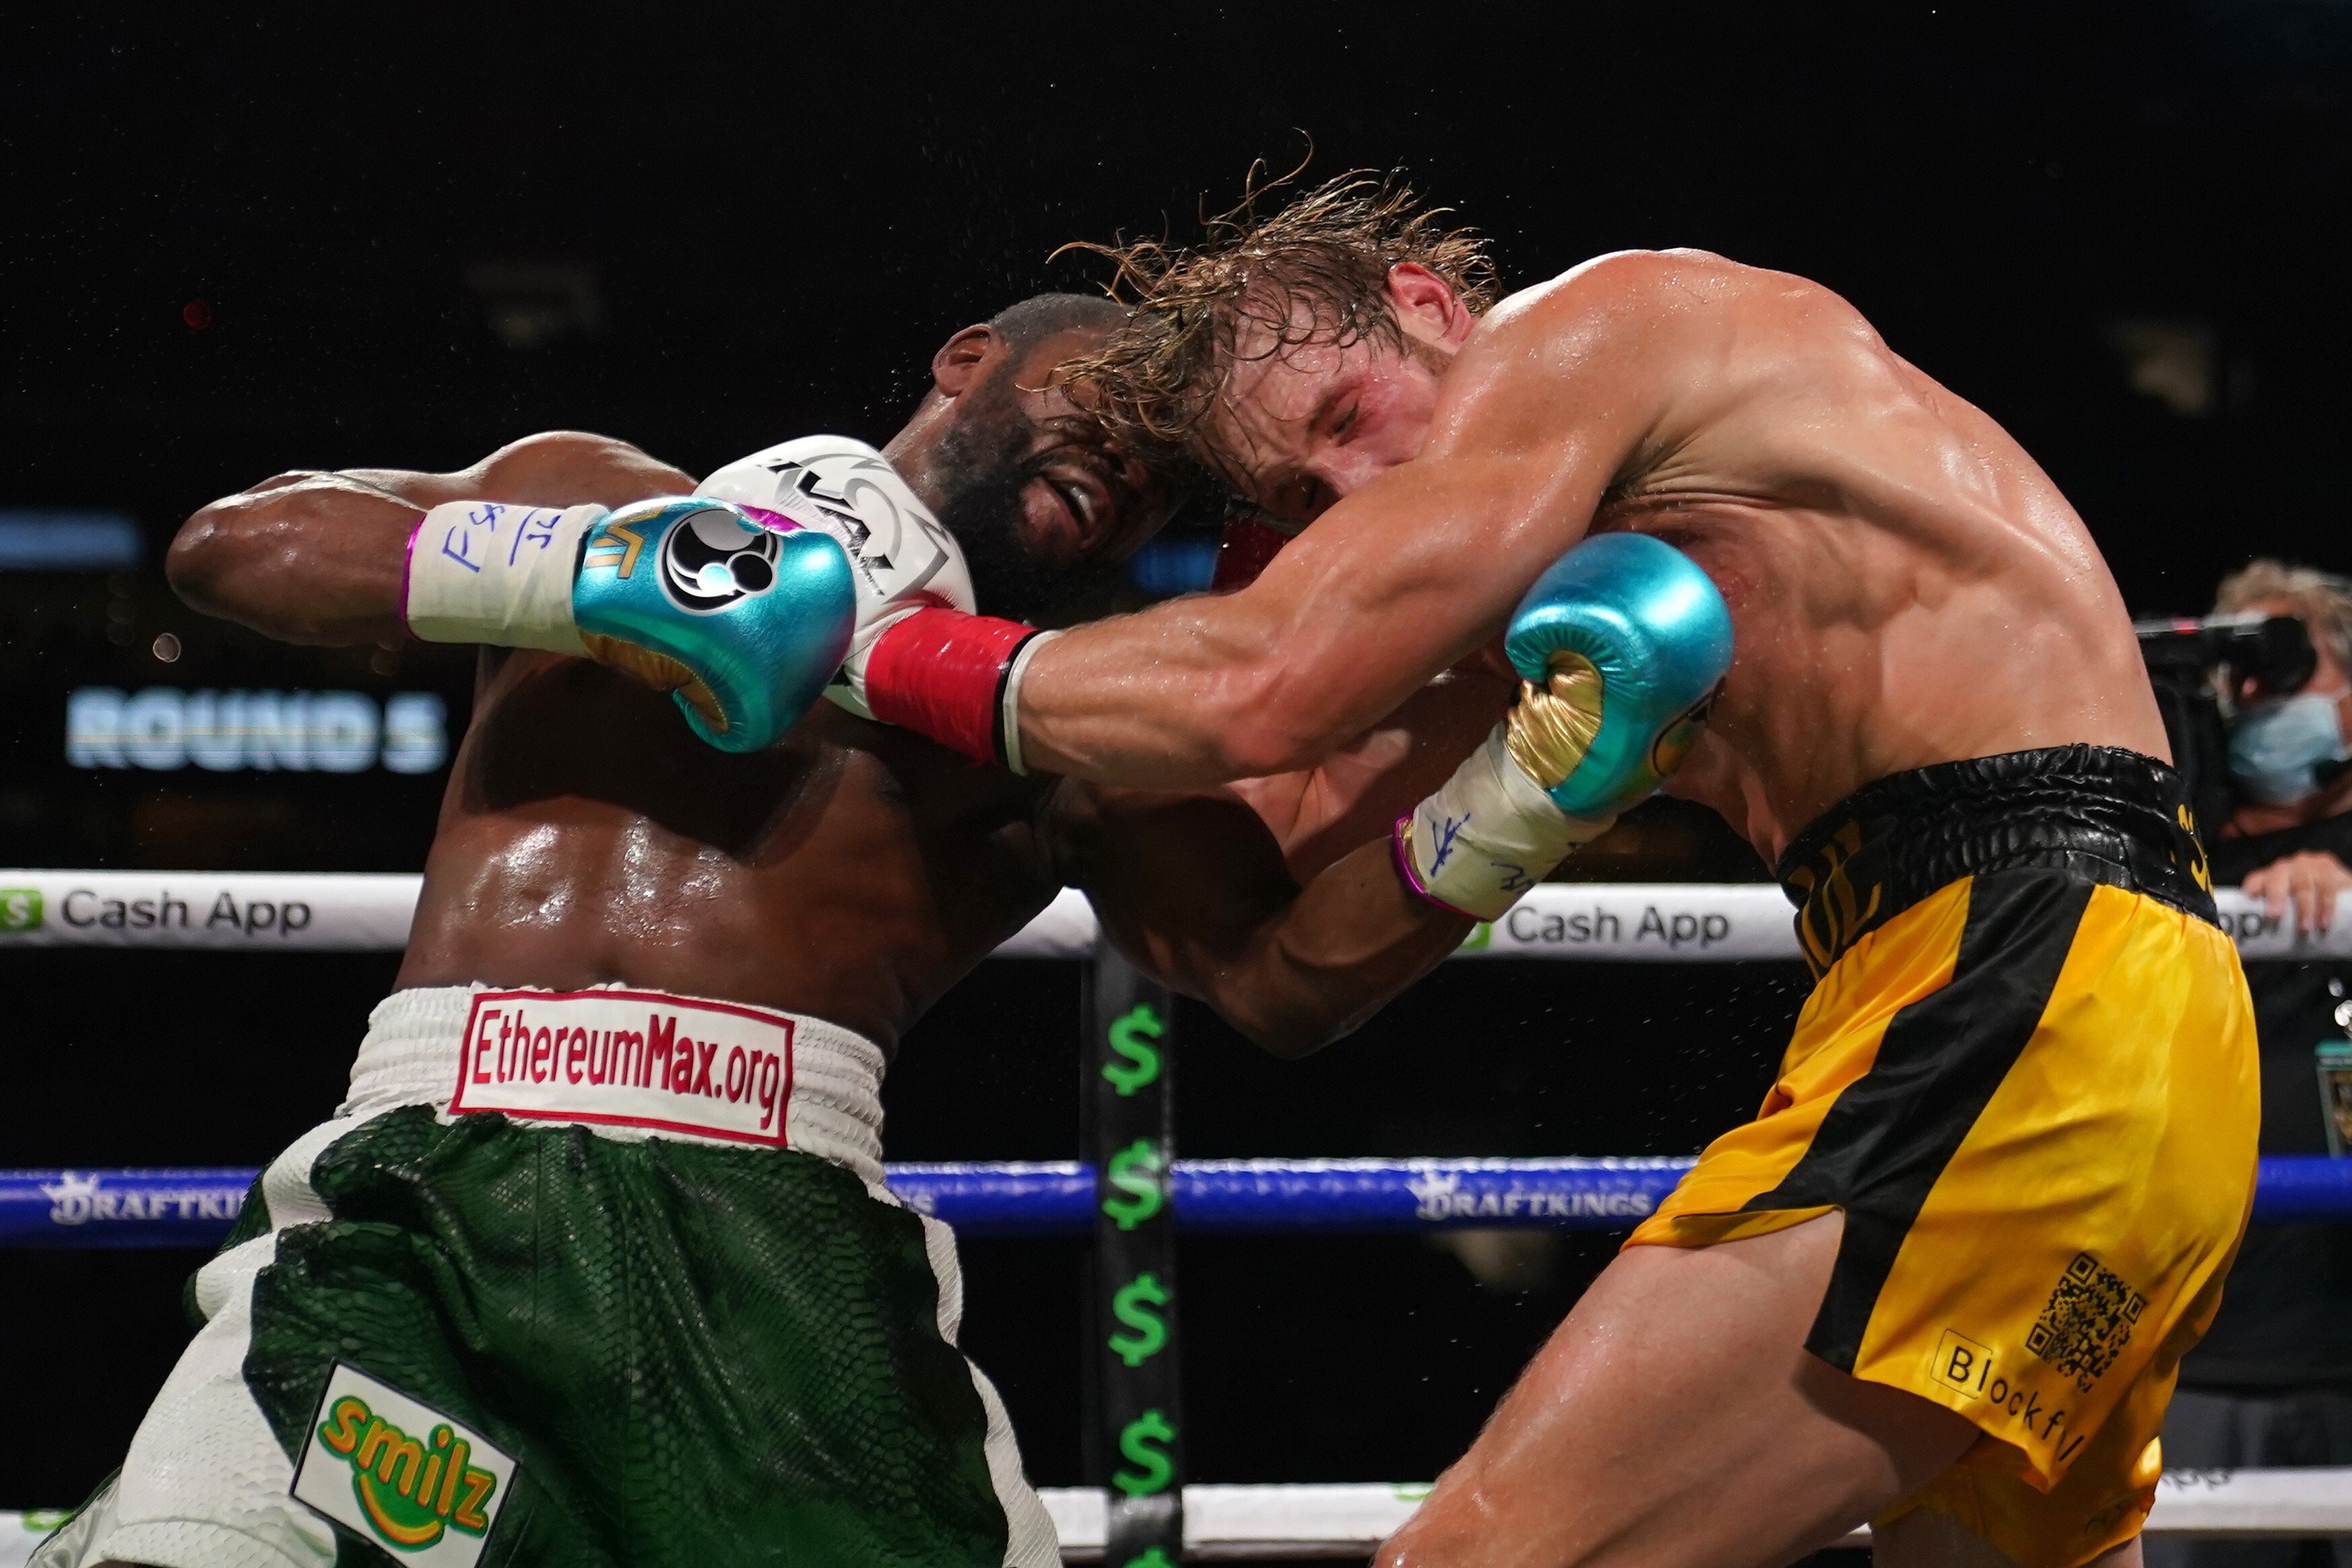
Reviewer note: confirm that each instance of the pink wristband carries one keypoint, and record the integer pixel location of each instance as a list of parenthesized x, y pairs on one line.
[(408, 564), (1403, 857)]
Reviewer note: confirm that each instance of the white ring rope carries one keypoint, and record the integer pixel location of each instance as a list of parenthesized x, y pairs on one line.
[(1667, 922), (1310, 1521), (1299, 1522)]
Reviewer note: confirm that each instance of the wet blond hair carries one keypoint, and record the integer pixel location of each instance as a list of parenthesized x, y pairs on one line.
[(1314, 270)]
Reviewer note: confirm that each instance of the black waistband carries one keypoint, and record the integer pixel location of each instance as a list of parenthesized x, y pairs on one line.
[(2094, 812)]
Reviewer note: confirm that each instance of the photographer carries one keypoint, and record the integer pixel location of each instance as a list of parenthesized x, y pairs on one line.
[(2270, 1383)]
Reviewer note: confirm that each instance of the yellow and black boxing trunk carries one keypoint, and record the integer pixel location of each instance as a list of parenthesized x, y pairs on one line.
[(2026, 1076)]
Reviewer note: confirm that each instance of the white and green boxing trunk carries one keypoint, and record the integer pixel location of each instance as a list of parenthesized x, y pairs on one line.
[(591, 1277)]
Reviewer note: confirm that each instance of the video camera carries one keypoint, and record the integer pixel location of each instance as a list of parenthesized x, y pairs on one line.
[(2202, 669)]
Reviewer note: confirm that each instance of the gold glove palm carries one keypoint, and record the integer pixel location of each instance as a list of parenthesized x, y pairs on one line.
[(1554, 724)]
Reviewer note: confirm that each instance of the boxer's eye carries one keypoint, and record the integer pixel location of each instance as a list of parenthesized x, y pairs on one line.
[(1084, 489), (1340, 427)]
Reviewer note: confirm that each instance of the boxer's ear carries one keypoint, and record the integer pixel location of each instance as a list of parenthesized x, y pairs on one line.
[(1426, 307), (962, 358)]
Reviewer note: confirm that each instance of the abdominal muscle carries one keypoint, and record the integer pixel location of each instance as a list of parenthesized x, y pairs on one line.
[(588, 839), (572, 894), (1860, 651)]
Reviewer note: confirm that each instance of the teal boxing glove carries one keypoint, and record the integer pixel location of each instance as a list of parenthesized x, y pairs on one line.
[(903, 560), (1622, 646), (742, 625)]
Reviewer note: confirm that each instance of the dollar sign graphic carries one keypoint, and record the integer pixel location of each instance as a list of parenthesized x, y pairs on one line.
[(1132, 1306), (1135, 1170), (1135, 1441), (1139, 1021)]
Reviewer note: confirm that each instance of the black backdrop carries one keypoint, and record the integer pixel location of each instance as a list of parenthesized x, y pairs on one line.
[(414, 235), (776, 212)]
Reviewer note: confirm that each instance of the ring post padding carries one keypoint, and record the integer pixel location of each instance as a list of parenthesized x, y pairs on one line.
[(1134, 1432), (1611, 922)]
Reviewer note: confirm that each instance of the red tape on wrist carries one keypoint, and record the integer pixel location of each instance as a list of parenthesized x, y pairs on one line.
[(941, 673)]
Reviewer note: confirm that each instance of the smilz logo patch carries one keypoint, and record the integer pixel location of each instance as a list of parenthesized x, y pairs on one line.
[(401, 1473)]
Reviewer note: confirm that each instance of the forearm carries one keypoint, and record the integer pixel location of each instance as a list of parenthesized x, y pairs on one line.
[(1192, 889), (1317, 970), (1360, 789), (315, 561), (1188, 695), (1271, 680), (319, 557)]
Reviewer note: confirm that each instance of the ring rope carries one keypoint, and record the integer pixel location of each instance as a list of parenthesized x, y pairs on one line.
[(112, 1208), (1618, 923), (1294, 1522)]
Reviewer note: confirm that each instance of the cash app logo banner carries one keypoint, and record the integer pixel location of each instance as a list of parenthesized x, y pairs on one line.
[(401, 1473)]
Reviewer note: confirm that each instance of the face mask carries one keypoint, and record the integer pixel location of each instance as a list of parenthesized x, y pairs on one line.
[(2276, 749)]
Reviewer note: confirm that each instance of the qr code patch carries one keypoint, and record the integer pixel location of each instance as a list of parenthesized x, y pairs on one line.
[(2087, 1321)]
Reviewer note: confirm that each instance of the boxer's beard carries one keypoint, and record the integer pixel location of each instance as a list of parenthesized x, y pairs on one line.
[(983, 467)]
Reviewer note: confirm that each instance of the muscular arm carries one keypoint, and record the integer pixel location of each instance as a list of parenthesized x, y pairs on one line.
[(1194, 889), (1359, 791), (319, 557), (1546, 405)]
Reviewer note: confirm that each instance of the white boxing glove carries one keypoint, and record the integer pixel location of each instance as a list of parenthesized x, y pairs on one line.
[(1487, 835), (484, 572), (904, 559)]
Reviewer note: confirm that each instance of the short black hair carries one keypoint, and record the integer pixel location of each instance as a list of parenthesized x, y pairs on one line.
[(1031, 321)]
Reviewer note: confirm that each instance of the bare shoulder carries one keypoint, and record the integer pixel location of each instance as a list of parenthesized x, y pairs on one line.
[(1655, 293), (559, 455), (1612, 346)]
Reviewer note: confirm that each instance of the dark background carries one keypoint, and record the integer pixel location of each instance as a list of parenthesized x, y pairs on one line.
[(410, 238)]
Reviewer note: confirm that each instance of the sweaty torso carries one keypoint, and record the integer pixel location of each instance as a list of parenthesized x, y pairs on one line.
[(1906, 586), (852, 873)]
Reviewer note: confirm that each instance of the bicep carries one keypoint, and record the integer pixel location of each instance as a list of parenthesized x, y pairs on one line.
[(1402, 580), (554, 467)]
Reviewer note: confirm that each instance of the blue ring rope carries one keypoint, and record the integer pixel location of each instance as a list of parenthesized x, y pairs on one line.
[(114, 1208)]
